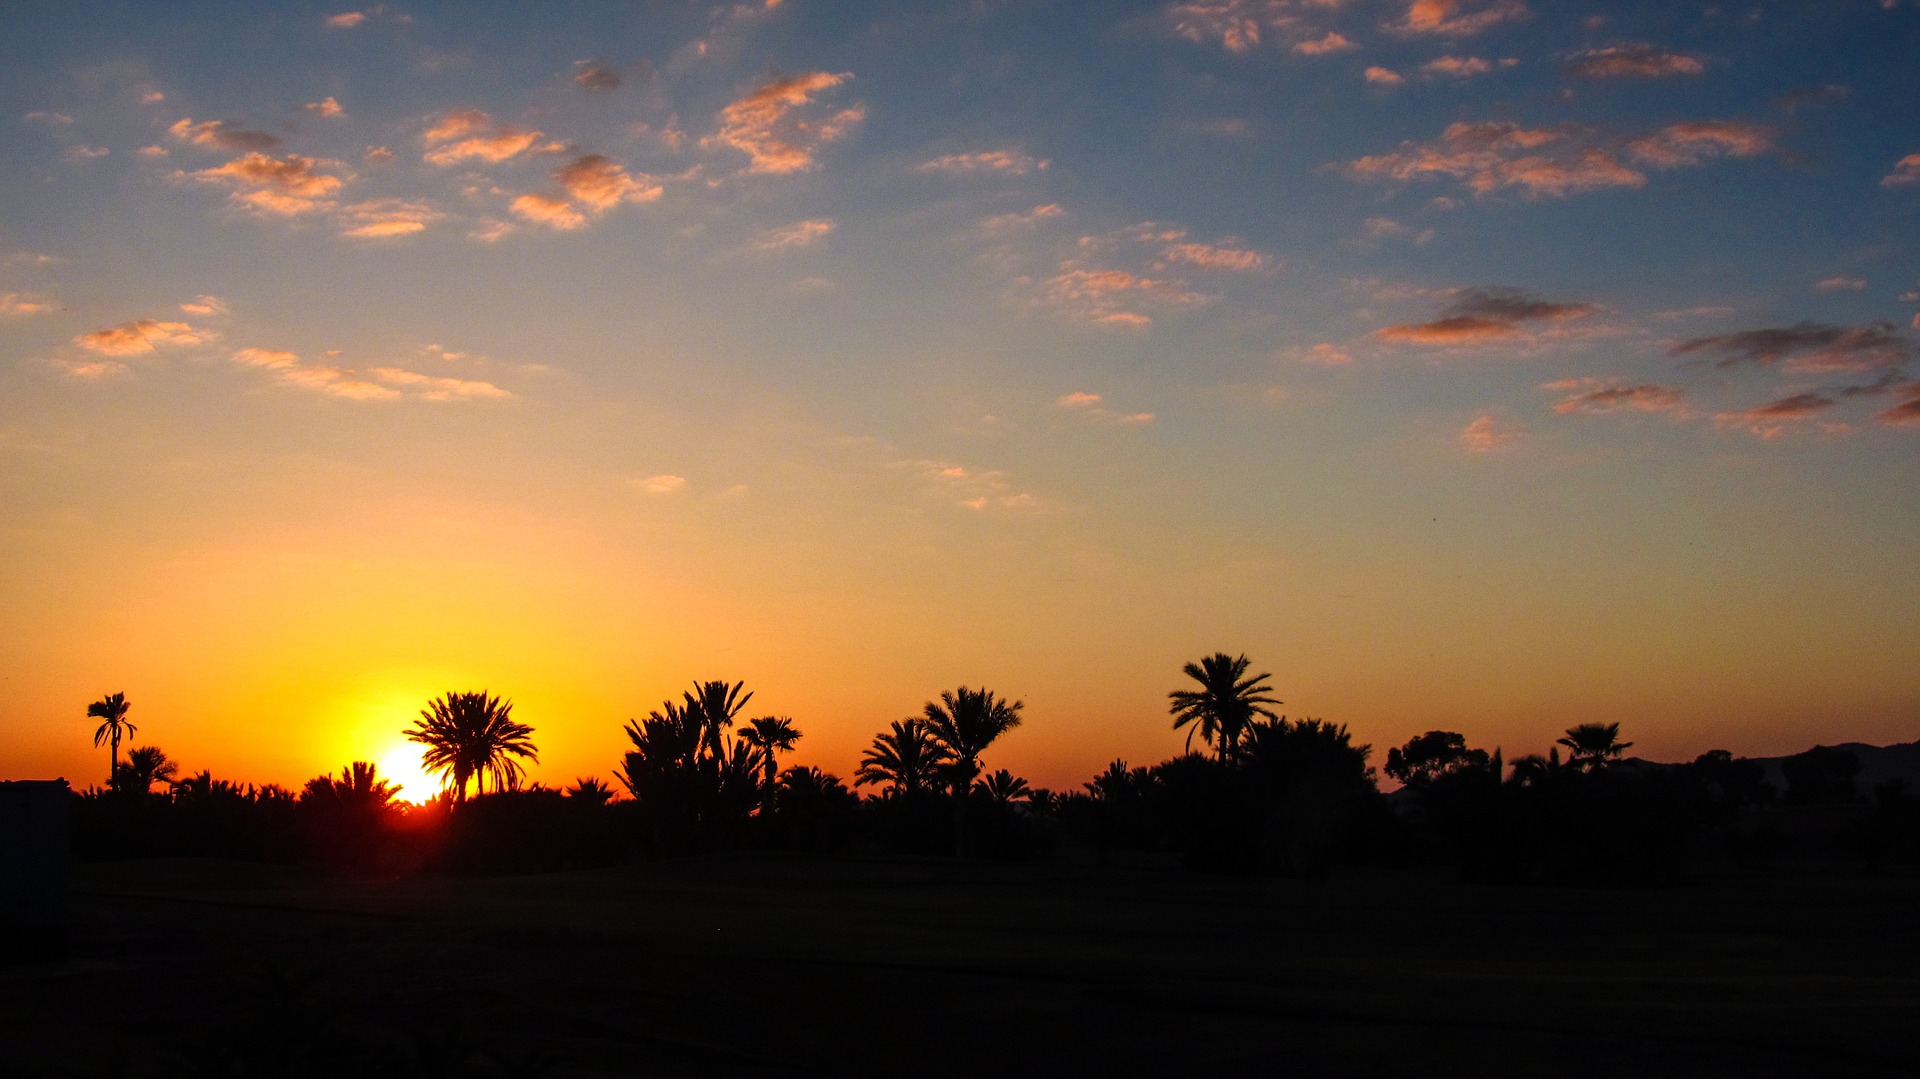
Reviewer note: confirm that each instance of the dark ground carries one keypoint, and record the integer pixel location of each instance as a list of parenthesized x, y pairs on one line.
[(765, 966)]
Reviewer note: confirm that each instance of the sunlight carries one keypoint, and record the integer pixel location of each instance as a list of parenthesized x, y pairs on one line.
[(400, 766)]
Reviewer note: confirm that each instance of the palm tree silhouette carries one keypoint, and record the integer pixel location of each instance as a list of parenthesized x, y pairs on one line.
[(1593, 746), (770, 735), (112, 711), (965, 724), (473, 735), (591, 790), (1004, 787), (146, 766), (906, 757), (1225, 703), (359, 786), (716, 703)]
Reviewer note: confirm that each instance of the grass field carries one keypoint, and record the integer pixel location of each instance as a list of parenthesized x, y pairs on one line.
[(764, 966)]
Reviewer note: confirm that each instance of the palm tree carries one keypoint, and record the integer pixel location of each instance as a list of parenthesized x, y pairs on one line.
[(112, 710), (146, 766), (591, 790), (964, 724), (770, 735), (359, 787), (1225, 703), (905, 757), (1593, 746), (716, 703), (1003, 787), (471, 735)]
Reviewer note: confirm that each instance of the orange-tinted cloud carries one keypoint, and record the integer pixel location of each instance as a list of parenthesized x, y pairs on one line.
[(20, 304), (1323, 45), (1775, 418), (218, 135), (1011, 162), (1484, 435), (664, 484), (1089, 405), (142, 336), (1692, 142), (596, 76), (326, 108), (387, 218), (1595, 397), (798, 234), (1027, 220), (1457, 17), (1234, 24), (436, 388), (206, 305), (601, 183), (547, 210), (376, 384), (1807, 347), (1102, 296), (1479, 315), (1382, 76), (1907, 412), (765, 127), (1454, 330), (346, 20), (1637, 60), (1905, 171), (1210, 257), (1495, 154), (1462, 67), (472, 135), (284, 186)]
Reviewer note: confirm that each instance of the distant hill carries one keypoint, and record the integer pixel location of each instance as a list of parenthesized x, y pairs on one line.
[(1877, 765)]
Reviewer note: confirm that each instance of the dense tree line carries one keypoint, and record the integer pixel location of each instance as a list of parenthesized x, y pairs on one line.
[(1271, 795)]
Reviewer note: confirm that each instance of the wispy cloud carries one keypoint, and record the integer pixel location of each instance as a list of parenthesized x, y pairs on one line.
[(1776, 418), (1807, 347), (1384, 76), (142, 336), (281, 186), (1456, 18), (1481, 315), (1106, 297), (472, 135), (1023, 220), (375, 384), (1091, 406), (219, 135), (1010, 162), (387, 218), (1634, 60), (1907, 412), (798, 234), (206, 306), (1485, 435), (1840, 283), (21, 304), (326, 108), (1905, 171), (346, 20), (548, 210), (1212, 257), (1463, 67), (976, 489), (768, 124), (664, 484), (1234, 25), (595, 76), (1321, 46), (1589, 396), (437, 388), (1695, 141)]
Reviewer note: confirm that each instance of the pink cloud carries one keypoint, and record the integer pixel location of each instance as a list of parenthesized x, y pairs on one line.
[(284, 186), (1381, 76), (142, 336), (763, 125), (1457, 17), (1091, 406), (1692, 142), (1907, 412), (1097, 296), (1597, 398), (1457, 330), (1491, 155), (346, 20), (1479, 315), (1483, 435), (436, 388), (387, 218), (1210, 257), (1905, 171), (1638, 60), (218, 135), (1323, 45), (798, 234), (1011, 162), (1459, 67), (472, 135), (1776, 418), (326, 108), (601, 183), (548, 210)]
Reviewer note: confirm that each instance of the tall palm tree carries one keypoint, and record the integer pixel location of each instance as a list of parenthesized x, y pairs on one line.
[(473, 735), (112, 711), (770, 735), (965, 724), (1593, 746), (1004, 787), (716, 703), (146, 766), (906, 757), (1225, 703)]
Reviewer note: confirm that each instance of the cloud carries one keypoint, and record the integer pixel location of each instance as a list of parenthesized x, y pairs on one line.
[(1234, 24), (206, 305), (272, 359), (976, 489), (1495, 154), (1101, 296), (21, 304), (326, 108), (1027, 220), (1775, 418), (763, 124), (798, 234), (1692, 142), (284, 186), (469, 134), (51, 119), (1454, 18), (1459, 67), (1330, 354), (387, 218), (1088, 404), (1839, 283), (1907, 412), (436, 388), (152, 151), (1483, 435), (1905, 171), (595, 76), (664, 484), (601, 183), (85, 153), (1479, 315), (142, 336), (1596, 396), (1323, 45), (218, 135), (1210, 257), (1807, 347), (346, 20), (1011, 162), (1635, 60), (547, 210), (1381, 76)]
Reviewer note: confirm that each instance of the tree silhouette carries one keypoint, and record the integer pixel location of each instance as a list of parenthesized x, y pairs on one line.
[(1223, 706), (716, 704), (146, 765), (359, 787), (905, 757), (1003, 787), (111, 710), (1593, 746), (473, 735), (964, 724), (590, 790), (1432, 756), (770, 735), (683, 773)]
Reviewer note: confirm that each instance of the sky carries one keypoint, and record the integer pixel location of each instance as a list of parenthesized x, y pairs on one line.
[(1482, 365)]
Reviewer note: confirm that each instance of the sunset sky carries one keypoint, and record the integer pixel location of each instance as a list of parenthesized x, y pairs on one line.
[(1489, 365)]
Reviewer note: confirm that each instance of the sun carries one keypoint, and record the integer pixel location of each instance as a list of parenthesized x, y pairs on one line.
[(400, 766)]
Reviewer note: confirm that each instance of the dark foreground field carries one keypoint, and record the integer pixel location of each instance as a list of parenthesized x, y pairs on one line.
[(763, 966)]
